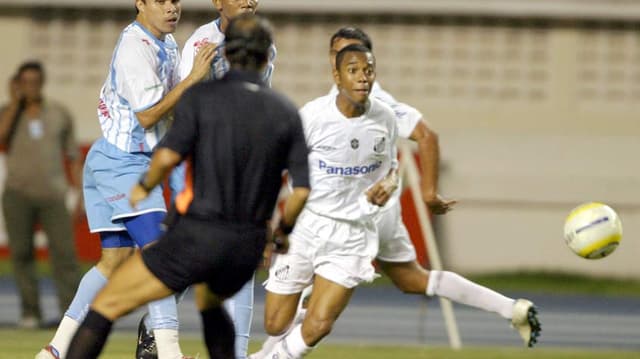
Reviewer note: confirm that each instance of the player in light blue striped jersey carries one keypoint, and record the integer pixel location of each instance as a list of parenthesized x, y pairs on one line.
[(141, 89)]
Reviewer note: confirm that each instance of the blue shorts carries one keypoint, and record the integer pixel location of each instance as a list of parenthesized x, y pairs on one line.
[(108, 177)]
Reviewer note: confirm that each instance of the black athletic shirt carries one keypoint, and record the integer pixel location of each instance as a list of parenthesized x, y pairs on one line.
[(237, 136)]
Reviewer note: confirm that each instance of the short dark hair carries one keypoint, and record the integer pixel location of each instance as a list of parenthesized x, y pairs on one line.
[(351, 48), (248, 41), (354, 33), (31, 65)]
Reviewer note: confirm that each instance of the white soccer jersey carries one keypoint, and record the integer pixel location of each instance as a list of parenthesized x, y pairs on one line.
[(407, 117), (347, 156), (210, 34), (143, 70)]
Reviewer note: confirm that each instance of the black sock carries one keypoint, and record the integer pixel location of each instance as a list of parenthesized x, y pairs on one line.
[(219, 333), (90, 337)]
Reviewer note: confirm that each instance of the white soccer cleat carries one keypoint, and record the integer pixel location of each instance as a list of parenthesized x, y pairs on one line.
[(525, 321), (48, 352)]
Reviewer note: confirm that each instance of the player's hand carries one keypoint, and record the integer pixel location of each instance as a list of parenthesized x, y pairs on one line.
[(382, 190), (437, 204), (279, 242), (138, 193), (202, 62)]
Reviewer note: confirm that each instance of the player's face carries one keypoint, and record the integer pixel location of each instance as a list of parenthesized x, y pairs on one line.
[(339, 44), (159, 16), (229, 9), (355, 76)]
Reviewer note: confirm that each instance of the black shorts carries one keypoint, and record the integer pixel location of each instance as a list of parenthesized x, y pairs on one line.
[(223, 255)]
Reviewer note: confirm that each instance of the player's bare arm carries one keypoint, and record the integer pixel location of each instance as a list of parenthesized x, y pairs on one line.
[(201, 67), (162, 162), (382, 190), (429, 154)]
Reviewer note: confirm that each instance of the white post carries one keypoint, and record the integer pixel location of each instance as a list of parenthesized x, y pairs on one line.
[(410, 169)]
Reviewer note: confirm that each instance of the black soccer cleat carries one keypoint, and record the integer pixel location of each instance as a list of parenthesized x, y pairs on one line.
[(146, 348)]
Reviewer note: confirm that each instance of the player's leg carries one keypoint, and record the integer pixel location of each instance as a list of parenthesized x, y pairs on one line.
[(116, 244), (219, 333), (163, 313), (301, 311), (20, 217), (222, 246), (240, 308), (328, 301), (521, 313), (396, 258), (131, 286), (56, 222)]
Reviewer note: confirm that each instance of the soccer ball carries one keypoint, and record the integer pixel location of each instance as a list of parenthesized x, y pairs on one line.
[(592, 230)]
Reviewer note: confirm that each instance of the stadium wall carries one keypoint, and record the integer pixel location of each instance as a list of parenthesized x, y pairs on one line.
[(536, 114)]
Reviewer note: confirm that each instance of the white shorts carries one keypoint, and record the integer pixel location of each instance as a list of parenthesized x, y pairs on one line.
[(395, 243), (340, 251)]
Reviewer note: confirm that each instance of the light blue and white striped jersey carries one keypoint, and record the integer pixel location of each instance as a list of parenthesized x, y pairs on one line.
[(210, 34), (143, 70)]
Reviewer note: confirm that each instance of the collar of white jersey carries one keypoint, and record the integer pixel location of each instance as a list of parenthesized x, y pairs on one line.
[(171, 45), (334, 105)]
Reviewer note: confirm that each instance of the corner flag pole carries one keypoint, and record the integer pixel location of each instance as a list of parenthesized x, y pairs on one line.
[(409, 167)]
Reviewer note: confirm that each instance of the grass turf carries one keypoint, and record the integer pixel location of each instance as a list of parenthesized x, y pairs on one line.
[(24, 344)]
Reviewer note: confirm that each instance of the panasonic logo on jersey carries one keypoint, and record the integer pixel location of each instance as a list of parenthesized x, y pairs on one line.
[(349, 170)]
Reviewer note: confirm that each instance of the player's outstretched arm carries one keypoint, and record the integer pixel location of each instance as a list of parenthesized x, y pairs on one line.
[(429, 154), (201, 67)]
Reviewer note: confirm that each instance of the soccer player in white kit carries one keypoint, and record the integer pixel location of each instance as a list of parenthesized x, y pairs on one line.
[(396, 255), (240, 306), (352, 163), (139, 92)]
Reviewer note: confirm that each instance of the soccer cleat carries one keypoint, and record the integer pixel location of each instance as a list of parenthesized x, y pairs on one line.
[(48, 352), (146, 348), (525, 321)]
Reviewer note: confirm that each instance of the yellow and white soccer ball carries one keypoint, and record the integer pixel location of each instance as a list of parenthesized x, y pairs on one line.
[(593, 230)]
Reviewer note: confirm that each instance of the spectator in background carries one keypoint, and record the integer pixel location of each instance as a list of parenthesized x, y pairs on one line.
[(38, 135)]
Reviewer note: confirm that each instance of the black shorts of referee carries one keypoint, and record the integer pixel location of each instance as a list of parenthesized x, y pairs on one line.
[(224, 255)]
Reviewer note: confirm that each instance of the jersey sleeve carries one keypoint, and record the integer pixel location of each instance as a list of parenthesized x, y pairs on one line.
[(181, 138), (407, 117), (186, 60), (297, 160), (135, 75)]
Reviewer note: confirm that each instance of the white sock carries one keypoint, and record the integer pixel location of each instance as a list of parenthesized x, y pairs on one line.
[(291, 347), (271, 341), (295, 344), (459, 289), (167, 344), (65, 332)]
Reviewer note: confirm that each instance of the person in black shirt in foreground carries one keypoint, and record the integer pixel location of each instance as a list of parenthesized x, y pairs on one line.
[(237, 136)]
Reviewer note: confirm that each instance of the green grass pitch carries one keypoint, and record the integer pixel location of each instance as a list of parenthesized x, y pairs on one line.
[(23, 344)]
